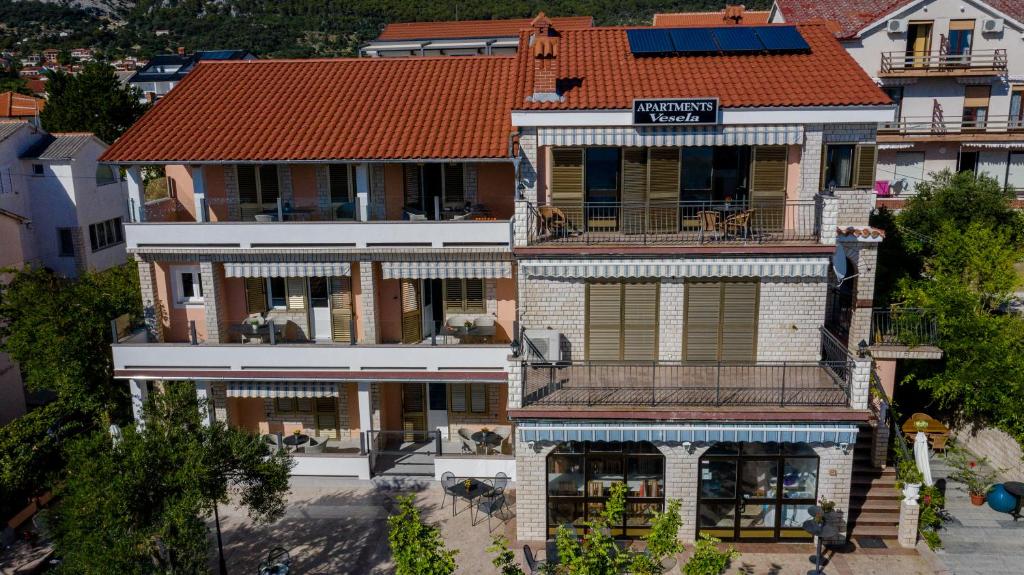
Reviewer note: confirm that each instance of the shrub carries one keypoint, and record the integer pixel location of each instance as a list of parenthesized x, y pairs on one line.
[(708, 559)]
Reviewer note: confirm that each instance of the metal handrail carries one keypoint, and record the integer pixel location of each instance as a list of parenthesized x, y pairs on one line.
[(903, 326), (931, 125), (937, 60)]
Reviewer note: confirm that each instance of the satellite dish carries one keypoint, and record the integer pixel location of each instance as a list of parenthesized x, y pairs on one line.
[(839, 263)]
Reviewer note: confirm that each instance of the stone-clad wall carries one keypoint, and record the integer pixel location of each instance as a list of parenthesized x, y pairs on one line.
[(557, 304), (835, 471), (670, 319), (791, 312)]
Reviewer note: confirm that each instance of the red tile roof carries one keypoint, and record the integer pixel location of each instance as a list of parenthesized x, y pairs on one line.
[(472, 28), (707, 18), (853, 15), (366, 108), (14, 105), (596, 70)]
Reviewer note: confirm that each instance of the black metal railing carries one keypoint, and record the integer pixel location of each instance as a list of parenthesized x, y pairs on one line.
[(904, 61), (903, 326), (675, 223)]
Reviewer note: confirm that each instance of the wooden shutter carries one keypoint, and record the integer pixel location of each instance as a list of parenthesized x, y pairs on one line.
[(454, 296), (604, 321), (701, 329), (454, 185), (296, 290), (633, 214), (256, 295), (270, 188), (412, 186), (412, 328), (478, 397), (768, 172), (640, 321), (567, 180), (663, 190), (864, 166), (474, 296), (327, 417), (341, 309), (339, 177), (739, 322), (458, 397)]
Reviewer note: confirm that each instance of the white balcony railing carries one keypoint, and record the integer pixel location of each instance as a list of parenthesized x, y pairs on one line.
[(344, 234)]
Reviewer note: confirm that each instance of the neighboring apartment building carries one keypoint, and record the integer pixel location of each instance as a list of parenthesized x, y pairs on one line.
[(618, 241), (458, 38), (164, 71), (955, 68), (20, 106)]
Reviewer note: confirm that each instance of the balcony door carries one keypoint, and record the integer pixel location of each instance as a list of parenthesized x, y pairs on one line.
[(919, 43), (414, 411), (412, 311)]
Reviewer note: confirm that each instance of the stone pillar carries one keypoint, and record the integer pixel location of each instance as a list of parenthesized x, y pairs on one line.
[(880, 446), (204, 393), (367, 303), (365, 413), (865, 256), (231, 191), (521, 224), (681, 481), (139, 390), (363, 192), (531, 491), (860, 383), (910, 512), (213, 289), (377, 198), (670, 324), (152, 308), (810, 162), (284, 182), (323, 192), (199, 194), (828, 218), (470, 181), (136, 196), (835, 472), (515, 382)]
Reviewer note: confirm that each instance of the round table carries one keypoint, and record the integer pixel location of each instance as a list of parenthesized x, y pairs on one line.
[(1015, 488), (296, 440), (819, 531), (489, 439)]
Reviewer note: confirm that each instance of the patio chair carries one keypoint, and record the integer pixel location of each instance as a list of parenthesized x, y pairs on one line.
[(710, 223), (553, 221), (274, 440), (535, 567), (491, 504), (739, 224), (468, 445), (500, 483), (448, 481)]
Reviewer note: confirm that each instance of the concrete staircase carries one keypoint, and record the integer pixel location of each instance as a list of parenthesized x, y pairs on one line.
[(874, 501)]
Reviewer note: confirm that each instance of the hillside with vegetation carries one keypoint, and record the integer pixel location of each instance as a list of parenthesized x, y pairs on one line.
[(296, 28)]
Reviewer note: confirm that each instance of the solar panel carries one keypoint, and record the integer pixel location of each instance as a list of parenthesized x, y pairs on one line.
[(687, 40), (781, 38), (649, 41), (737, 39)]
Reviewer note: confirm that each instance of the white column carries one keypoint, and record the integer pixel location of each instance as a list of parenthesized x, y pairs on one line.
[(139, 390), (365, 417), (363, 191), (136, 198), (199, 194), (204, 394)]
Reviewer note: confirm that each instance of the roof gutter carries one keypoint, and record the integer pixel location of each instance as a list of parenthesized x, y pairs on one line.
[(293, 161)]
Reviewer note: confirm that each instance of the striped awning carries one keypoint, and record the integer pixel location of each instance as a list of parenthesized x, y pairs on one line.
[(773, 267), (446, 270), (555, 431), (286, 269), (281, 389), (672, 136)]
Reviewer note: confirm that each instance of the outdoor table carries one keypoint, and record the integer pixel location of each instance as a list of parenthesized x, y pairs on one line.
[(934, 428), (249, 331), (476, 489), (489, 439), (819, 531), (293, 441), (729, 208), (1015, 488)]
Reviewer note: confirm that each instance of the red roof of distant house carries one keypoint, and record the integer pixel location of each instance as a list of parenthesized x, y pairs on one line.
[(709, 18), (365, 108), (853, 15), (472, 28), (597, 70), (14, 105), (37, 85)]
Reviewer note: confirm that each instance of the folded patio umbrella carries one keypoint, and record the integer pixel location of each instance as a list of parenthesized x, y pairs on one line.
[(921, 458)]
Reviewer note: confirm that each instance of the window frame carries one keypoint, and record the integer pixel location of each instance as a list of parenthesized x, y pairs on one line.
[(38, 170), (468, 398), (179, 287), (106, 234), (270, 291), (463, 307), (825, 168), (61, 251)]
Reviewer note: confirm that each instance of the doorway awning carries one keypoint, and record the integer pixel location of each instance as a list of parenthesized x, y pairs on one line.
[(557, 431), (767, 267), (446, 270), (286, 269), (672, 136), (272, 390)]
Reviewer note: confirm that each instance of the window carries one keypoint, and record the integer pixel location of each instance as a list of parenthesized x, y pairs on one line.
[(468, 397), (967, 161), (580, 476), (1016, 109), (976, 107), (847, 166), (258, 189), (66, 242), (104, 234), (106, 174), (276, 293), (622, 321), (432, 187), (37, 169), (721, 321), (188, 285), (293, 405), (739, 495), (603, 166), (464, 296), (961, 36), (341, 180)]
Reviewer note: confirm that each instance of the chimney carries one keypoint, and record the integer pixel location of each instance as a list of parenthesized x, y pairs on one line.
[(181, 50), (544, 50)]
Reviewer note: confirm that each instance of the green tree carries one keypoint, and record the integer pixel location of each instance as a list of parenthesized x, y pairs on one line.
[(11, 80), (662, 540), (708, 559), (417, 549), (140, 505), (504, 558), (596, 553), (93, 100), (58, 330)]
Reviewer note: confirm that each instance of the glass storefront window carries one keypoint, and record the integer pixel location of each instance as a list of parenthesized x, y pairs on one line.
[(739, 494), (580, 476)]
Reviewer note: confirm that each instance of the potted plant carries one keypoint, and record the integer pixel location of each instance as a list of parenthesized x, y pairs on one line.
[(971, 473), (827, 509), (921, 425), (909, 479)]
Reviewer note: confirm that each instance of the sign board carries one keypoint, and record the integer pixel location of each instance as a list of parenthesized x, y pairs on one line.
[(676, 112)]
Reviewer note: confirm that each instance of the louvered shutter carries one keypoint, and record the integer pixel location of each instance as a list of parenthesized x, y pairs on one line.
[(864, 167), (412, 328), (701, 329), (640, 321), (454, 296), (474, 296), (478, 398), (412, 186), (454, 185), (458, 397), (339, 177), (739, 322), (270, 188), (633, 216), (768, 188), (296, 289), (256, 295), (248, 192), (566, 191), (341, 309), (663, 190), (604, 321)]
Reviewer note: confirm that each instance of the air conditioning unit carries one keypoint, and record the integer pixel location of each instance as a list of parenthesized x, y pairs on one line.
[(542, 345), (993, 25), (896, 26)]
